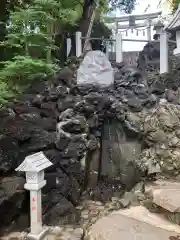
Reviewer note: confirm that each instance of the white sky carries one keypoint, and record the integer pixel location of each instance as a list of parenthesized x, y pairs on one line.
[(139, 9)]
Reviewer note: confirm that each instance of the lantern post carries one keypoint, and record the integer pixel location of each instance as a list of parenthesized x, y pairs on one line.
[(34, 166)]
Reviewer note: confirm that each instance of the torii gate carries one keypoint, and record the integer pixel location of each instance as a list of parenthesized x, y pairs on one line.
[(132, 22)]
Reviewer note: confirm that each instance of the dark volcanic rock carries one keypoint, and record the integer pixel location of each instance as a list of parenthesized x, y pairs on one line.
[(68, 102), (120, 156), (70, 122), (9, 154), (171, 96), (6, 114), (158, 88), (24, 108), (65, 76), (12, 197), (149, 64), (67, 185), (55, 157), (76, 125), (76, 147), (135, 103), (38, 100), (56, 208), (48, 109), (56, 92)]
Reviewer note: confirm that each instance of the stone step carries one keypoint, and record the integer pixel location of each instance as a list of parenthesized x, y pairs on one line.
[(163, 184), (134, 223), (168, 199), (166, 195)]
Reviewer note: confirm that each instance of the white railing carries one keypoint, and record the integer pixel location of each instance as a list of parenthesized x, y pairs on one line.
[(118, 42)]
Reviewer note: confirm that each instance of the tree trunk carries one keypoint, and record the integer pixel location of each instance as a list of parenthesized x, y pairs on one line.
[(83, 24), (86, 16), (3, 19)]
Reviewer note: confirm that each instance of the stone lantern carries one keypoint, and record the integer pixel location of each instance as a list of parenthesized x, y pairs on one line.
[(174, 28), (158, 28), (34, 166)]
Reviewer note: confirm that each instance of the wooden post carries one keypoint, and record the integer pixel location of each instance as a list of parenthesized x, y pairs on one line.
[(119, 50), (164, 66), (78, 44)]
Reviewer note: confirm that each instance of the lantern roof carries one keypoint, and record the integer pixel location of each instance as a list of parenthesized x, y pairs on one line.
[(34, 163)]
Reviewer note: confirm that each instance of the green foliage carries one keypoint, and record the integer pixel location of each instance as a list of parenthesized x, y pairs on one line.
[(6, 93), (126, 6), (174, 4), (31, 38), (100, 29), (32, 26), (22, 70), (17, 74), (36, 25)]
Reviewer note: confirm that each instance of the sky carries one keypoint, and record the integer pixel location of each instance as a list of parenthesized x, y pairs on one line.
[(149, 6)]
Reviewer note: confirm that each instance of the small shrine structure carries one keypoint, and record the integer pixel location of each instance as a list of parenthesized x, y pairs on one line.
[(174, 28), (158, 28), (34, 166)]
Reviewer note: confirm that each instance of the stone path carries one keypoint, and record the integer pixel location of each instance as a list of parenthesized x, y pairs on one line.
[(90, 210), (134, 223), (164, 200), (106, 221), (167, 199)]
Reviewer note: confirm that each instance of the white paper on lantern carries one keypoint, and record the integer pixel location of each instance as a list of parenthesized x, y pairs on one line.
[(95, 69)]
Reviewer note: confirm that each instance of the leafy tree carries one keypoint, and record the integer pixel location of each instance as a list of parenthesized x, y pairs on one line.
[(22, 70), (126, 6), (174, 4), (36, 26), (88, 6), (29, 29), (31, 36), (6, 93), (5, 7)]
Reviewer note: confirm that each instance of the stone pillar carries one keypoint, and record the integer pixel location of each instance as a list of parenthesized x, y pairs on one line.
[(164, 66), (68, 42), (119, 50), (117, 26), (37, 230), (149, 30), (178, 39), (78, 44), (107, 49), (114, 44), (36, 212), (177, 49), (158, 28)]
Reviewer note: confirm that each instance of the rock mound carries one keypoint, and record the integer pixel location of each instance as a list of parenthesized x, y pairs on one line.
[(149, 64), (122, 133)]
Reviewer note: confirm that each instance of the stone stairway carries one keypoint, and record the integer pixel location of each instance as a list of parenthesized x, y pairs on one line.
[(156, 218)]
